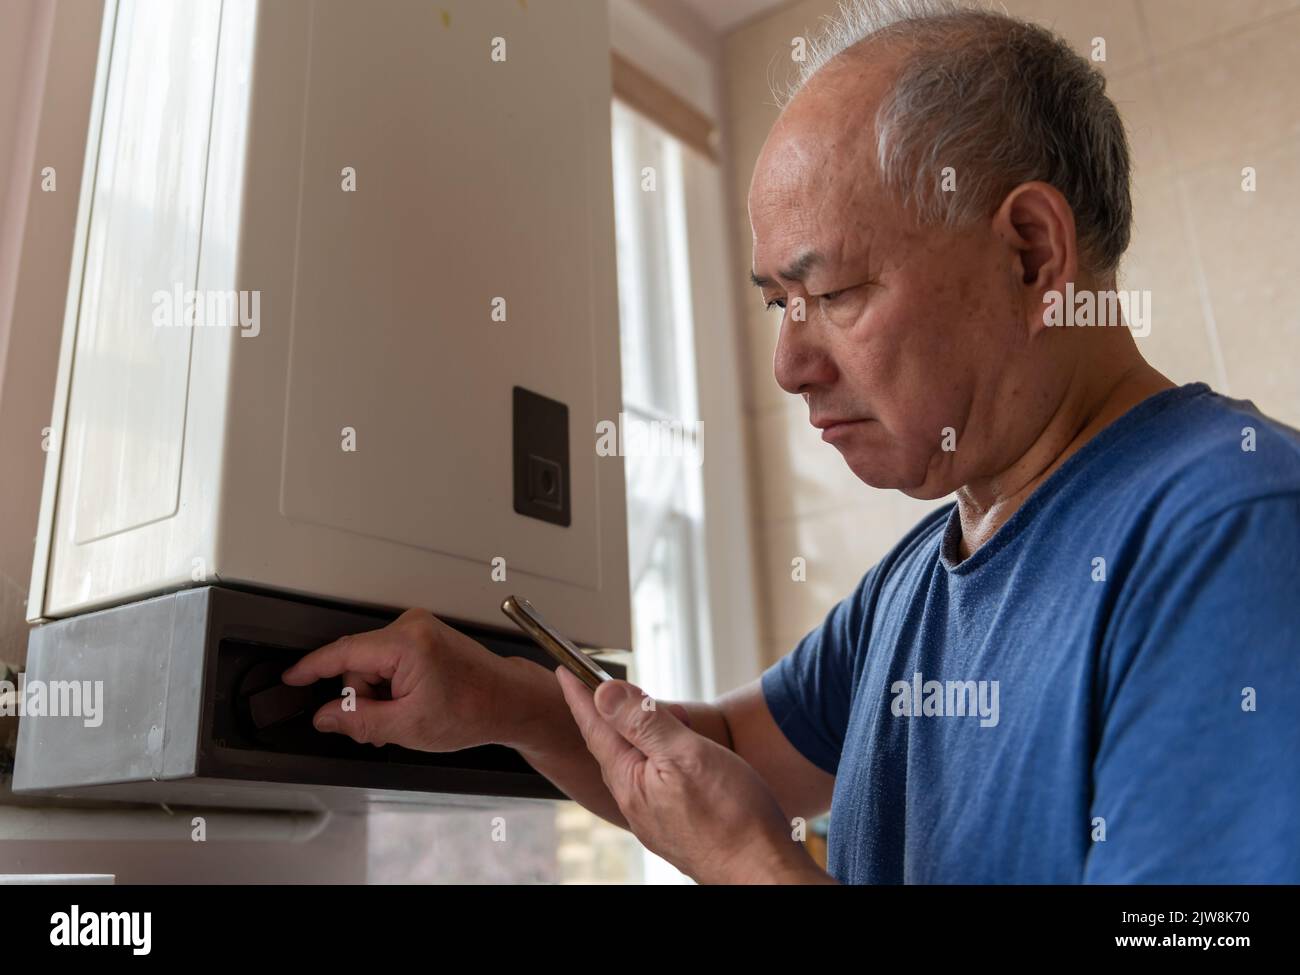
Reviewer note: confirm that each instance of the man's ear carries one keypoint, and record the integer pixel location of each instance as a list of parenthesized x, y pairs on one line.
[(1037, 222)]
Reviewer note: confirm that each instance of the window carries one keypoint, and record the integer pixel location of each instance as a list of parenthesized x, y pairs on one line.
[(665, 519), (664, 491)]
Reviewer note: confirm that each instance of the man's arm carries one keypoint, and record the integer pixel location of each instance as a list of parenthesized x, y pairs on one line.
[(800, 787), (544, 732)]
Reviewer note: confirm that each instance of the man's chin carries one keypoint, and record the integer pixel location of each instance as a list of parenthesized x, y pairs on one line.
[(875, 475), (876, 472)]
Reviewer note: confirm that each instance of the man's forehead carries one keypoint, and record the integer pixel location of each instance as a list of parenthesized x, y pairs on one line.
[(803, 225), (814, 179), (786, 169), (822, 148)]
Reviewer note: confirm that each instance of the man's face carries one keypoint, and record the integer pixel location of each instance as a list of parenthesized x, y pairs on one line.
[(916, 337)]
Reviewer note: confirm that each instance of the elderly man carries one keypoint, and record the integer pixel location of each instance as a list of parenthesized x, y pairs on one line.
[(1084, 670)]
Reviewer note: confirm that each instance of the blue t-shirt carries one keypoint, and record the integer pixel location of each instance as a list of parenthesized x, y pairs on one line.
[(1108, 691)]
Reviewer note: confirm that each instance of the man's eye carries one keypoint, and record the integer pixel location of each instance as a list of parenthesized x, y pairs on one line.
[(831, 295), (774, 303)]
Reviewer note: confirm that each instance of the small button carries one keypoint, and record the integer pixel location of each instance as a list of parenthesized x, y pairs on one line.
[(545, 482)]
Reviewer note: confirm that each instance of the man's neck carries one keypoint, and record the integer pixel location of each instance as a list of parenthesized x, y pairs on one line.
[(985, 505)]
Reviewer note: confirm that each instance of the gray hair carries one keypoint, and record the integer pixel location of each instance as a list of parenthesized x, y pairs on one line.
[(1000, 100)]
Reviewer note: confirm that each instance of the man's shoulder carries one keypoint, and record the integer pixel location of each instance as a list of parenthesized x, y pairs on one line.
[(1204, 455), (911, 557)]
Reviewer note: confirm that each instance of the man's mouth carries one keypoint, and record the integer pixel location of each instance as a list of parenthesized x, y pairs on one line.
[(833, 429)]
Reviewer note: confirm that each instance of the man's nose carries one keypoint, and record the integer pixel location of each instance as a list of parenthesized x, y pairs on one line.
[(800, 363)]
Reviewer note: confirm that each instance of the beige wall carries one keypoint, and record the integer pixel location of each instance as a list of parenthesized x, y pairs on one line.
[(47, 71), (1206, 87)]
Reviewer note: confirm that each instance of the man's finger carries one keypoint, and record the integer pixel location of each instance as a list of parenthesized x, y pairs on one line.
[(376, 652), (615, 756), (683, 715)]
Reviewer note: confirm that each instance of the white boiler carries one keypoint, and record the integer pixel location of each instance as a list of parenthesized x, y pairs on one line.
[(341, 323)]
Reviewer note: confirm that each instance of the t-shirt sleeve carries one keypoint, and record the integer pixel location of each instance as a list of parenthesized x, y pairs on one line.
[(1196, 774), (810, 689)]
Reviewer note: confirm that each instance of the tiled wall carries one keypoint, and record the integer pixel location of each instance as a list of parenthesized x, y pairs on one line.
[(1206, 87)]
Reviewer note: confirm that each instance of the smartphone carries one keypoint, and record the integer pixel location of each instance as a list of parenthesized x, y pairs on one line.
[(525, 617)]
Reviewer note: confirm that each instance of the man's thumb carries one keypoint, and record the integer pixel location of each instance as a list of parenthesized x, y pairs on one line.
[(638, 717), (368, 723)]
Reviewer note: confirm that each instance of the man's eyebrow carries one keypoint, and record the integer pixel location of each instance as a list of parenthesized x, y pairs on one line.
[(795, 272)]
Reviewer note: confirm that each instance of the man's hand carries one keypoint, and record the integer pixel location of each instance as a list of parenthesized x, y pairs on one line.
[(693, 802), (419, 683)]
